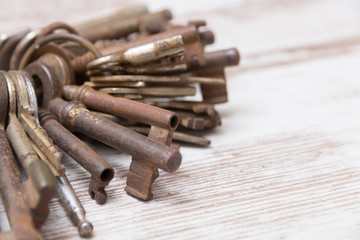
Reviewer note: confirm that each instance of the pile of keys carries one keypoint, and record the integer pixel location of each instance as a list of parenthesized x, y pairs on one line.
[(126, 80)]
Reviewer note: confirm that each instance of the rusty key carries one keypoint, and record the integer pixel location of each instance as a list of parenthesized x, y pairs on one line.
[(40, 187), (163, 123), (19, 215), (100, 170), (148, 154)]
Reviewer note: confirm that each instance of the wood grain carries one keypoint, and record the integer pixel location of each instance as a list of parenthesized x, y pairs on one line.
[(284, 165)]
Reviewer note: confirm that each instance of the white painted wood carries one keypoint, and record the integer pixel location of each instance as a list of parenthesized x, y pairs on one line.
[(284, 165)]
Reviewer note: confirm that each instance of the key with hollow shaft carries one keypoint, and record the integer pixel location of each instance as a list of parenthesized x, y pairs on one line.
[(146, 158), (101, 171)]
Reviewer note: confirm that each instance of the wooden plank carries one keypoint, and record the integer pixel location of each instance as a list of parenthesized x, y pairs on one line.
[(285, 162)]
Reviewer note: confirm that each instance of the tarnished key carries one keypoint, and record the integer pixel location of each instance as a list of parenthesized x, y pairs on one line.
[(71, 203), (152, 91), (178, 136), (196, 107), (198, 121), (143, 53), (27, 115), (41, 183), (73, 206), (118, 79), (19, 215), (146, 159), (101, 171)]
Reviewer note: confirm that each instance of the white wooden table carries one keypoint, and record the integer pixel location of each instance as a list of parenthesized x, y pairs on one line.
[(285, 164)]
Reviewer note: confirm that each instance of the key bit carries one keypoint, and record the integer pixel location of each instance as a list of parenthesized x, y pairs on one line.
[(198, 121), (177, 136)]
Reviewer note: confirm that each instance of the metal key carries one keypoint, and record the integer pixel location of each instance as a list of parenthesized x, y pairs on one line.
[(101, 172), (40, 185), (71, 203), (19, 215), (28, 117)]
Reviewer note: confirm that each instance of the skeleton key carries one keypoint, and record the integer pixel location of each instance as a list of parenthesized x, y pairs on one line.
[(19, 215), (70, 202), (40, 187), (101, 171), (28, 117)]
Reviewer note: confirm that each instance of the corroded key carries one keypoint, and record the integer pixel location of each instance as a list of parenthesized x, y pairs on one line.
[(143, 92), (144, 53), (195, 107), (148, 154), (71, 203), (40, 186), (178, 136), (198, 121), (143, 170), (195, 57), (73, 206), (101, 171), (19, 215), (27, 115)]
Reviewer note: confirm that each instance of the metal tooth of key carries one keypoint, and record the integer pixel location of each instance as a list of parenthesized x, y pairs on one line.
[(19, 215), (101, 172), (198, 121), (178, 136), (40, 186), (68, 198)]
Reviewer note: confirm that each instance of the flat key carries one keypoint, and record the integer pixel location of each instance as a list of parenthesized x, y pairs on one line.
[(28, 117), (40, 187), (19, 215)]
